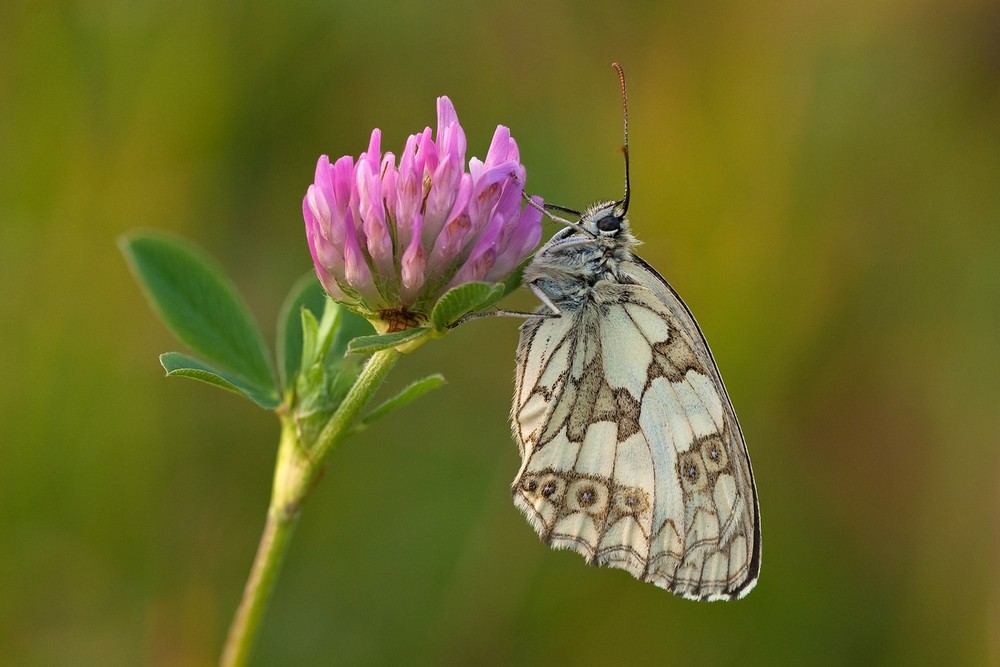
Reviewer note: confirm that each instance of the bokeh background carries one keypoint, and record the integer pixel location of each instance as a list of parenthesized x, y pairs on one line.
[(820, 180)]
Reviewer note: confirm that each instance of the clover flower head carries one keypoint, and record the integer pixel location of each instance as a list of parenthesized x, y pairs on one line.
[(389, 237)]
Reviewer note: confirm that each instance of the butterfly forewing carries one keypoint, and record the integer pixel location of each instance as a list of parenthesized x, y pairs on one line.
[(631, 452)]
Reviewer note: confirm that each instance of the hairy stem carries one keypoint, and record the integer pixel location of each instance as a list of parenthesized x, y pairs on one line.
[(296, 470)]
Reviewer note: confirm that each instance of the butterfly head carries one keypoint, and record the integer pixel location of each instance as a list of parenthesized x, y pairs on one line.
[(607, 223)]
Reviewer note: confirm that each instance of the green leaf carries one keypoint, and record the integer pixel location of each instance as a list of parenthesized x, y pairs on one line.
[(183, 365), (462, 300), (410, 393), (327, 373), (306, 295), (318, 336), (335, 319), (370, 344), (202, 307), (310, 339), (351, 326)]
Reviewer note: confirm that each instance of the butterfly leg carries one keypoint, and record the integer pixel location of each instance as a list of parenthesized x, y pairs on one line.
[(546, 301), (544, 298)]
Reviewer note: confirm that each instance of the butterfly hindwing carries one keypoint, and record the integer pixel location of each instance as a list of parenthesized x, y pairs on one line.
[(631, 452)]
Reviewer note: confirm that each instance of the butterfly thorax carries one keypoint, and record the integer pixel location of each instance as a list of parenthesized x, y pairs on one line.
[(574, 266)]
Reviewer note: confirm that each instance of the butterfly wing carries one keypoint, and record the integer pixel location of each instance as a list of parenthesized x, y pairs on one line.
[(631, 452)]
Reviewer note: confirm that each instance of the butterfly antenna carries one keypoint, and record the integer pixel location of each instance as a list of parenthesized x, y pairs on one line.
[(547, 209), (565, 209), (623, 204)]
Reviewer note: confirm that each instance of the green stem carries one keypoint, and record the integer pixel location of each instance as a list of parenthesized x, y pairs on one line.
[(257, 593), (357, 398), (296, 470)]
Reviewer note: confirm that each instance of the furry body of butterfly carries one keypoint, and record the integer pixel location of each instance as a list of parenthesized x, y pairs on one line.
[(631, 452)]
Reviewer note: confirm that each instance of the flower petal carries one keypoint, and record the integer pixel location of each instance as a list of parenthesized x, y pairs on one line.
[(409, 183), (413, 265), (446, 114), (448, 244), (527, 232), (502, 149), (327, 259), (486, 192), (390, 193), (356, 271), (479, 262)]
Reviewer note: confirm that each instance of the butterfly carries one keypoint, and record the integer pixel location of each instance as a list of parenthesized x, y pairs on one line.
[(631, 452)]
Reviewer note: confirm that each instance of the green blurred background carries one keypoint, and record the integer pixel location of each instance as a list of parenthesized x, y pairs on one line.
[(819, 180)]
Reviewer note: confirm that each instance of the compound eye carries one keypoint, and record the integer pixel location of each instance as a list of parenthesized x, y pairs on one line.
[(609, 223)]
